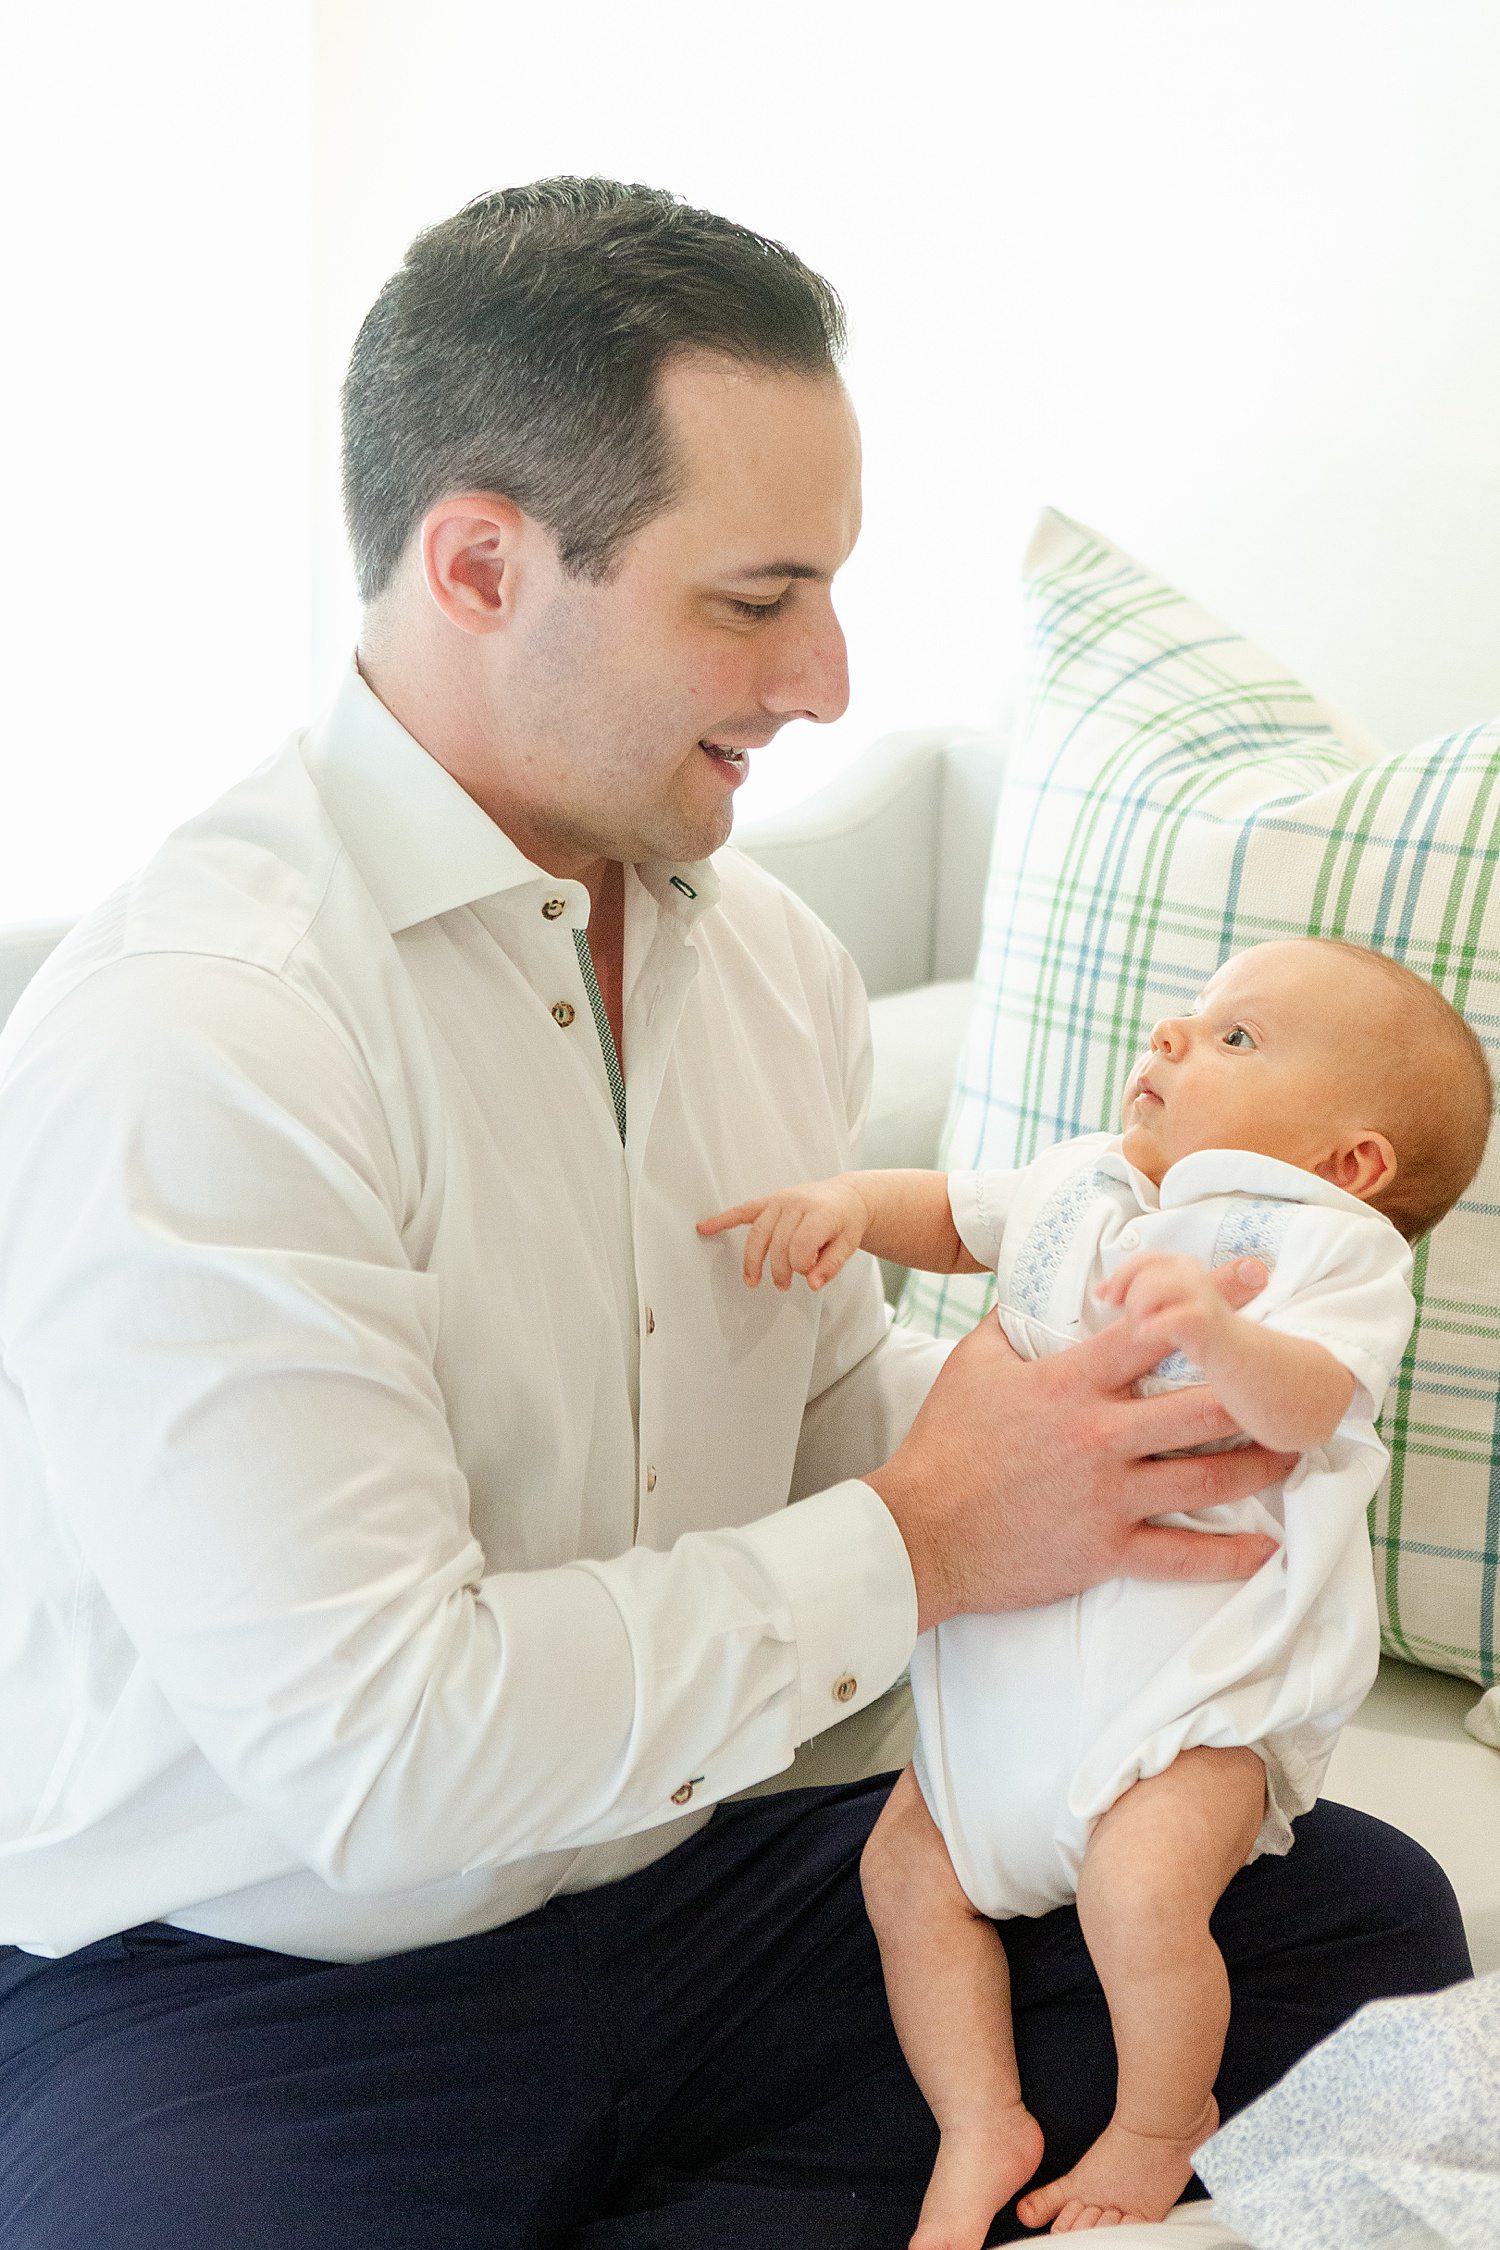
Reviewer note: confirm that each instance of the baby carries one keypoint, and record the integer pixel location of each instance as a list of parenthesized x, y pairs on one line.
[(1320, 1109)]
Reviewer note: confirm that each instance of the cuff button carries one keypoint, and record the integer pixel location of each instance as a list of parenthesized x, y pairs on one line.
[(845, 1689), (681, 1796)]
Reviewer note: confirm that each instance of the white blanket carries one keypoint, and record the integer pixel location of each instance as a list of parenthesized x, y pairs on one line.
[(1385, 2137)]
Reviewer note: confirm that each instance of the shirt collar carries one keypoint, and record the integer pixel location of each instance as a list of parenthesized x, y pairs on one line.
[(1231, 1171), (421, 844)]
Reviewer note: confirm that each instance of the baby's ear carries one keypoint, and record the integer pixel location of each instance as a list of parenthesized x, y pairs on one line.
[(1361, 1165)]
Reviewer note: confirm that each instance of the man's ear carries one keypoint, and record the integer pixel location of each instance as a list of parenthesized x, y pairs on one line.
[(471, 548), (1361, 1165)]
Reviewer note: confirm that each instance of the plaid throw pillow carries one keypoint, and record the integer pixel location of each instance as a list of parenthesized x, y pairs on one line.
[(1173, 798)]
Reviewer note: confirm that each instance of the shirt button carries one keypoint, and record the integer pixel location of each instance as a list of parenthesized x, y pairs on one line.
[(681, 1796), (562, 1012), (845, 1689), (554, 907), (650, 1476), (650, 1322)]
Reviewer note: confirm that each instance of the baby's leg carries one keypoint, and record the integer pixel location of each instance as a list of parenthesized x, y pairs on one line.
[(949, 1990), (1155, 1868)]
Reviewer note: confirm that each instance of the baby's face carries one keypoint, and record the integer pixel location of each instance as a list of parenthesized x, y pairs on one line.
[(1274, 1058)]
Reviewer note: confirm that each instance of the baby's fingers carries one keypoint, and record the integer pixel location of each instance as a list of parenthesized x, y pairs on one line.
[(740, 1216), (786, 1256), (758, 1242), (816, 1233), (834, 1259)]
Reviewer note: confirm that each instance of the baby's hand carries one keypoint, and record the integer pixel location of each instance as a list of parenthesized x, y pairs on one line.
[(810, 1229), (1170, 1302)]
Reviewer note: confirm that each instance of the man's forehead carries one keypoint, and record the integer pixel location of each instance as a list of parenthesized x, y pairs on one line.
[(772, 464)]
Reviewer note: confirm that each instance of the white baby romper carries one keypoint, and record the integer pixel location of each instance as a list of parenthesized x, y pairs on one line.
[(1032, 1723)]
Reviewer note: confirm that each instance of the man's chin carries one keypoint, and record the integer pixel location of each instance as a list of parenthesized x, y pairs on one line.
[(694, 839)]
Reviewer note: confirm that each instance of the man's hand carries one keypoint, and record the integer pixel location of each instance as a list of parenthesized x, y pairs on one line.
[(1170, 1304), (1020, 1482), (813, 1229)]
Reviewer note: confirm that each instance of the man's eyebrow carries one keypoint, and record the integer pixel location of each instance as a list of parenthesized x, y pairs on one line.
[(782, 570)]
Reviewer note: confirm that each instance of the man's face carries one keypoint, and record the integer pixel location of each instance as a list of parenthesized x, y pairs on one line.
[(717, 627)]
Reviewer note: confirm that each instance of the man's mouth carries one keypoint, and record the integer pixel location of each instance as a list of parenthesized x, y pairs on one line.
[(726, 752)]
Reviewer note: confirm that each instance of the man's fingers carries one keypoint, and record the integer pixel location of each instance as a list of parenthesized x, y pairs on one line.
[(1112, 1360), (1166, 1551), (1207, 1480), (1172, 1422)]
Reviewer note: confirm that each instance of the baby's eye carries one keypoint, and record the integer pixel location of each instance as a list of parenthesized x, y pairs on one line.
[(1239, 1037)]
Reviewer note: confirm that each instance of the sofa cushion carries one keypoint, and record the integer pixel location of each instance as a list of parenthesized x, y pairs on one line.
[(1172, 798)]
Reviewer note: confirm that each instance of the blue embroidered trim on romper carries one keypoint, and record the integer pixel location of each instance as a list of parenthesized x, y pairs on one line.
[(1253, 1229), (1035, 1270)]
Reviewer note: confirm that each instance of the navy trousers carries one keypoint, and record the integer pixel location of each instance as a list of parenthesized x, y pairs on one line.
[(698, 2058)]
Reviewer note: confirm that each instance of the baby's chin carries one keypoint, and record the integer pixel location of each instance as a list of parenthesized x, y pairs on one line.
[(1141, 1150)]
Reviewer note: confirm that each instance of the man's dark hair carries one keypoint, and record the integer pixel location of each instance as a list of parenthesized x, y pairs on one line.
[(517, 351)]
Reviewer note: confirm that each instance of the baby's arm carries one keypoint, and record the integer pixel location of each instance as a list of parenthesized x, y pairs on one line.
[(1286, 1392), (814, 1228)]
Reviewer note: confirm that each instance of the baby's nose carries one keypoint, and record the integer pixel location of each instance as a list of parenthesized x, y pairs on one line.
[(1169, 1037)]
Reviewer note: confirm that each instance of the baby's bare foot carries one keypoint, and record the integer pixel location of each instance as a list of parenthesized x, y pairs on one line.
[(1125, 2175), (978, 2170)]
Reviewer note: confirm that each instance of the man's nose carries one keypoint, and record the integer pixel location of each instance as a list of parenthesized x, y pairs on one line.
[(811, 678), (1170, 1038)]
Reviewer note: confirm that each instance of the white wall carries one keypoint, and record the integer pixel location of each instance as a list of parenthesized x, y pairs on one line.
[(157, 480), (1218, 275)]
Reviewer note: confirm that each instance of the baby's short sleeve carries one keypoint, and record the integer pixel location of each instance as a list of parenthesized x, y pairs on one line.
[(981, 1203), (1343, 1280)]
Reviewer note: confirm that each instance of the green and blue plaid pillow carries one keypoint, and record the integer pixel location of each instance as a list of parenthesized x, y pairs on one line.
[(1172, 798)]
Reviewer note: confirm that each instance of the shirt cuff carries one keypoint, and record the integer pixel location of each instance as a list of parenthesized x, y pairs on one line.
[(844, 1572), (976, 1228)]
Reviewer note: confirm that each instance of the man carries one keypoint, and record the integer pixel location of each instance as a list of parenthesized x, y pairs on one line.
[(395, 1485)]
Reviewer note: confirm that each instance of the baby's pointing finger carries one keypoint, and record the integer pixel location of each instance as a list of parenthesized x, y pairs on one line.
[(740, 1216)]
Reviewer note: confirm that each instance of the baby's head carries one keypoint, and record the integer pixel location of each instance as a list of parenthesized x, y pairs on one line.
[(1331, 1057)]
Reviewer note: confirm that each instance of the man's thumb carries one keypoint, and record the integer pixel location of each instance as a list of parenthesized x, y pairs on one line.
[(1238, 1283)]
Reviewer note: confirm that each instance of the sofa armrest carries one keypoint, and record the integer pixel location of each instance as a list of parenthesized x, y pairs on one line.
[(892, 853)]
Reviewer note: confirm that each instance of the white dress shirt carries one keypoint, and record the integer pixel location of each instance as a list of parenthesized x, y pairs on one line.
[(392, 1485)]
